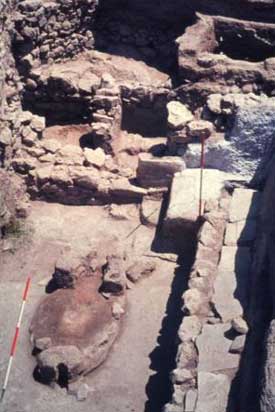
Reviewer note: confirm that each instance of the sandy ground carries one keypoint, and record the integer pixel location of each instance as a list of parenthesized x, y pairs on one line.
[(135, 375)]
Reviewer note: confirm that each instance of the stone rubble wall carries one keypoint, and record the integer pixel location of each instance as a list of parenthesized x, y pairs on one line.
[(204, 70), (265, 272), (48, 31), (213, 331), (10, 88)]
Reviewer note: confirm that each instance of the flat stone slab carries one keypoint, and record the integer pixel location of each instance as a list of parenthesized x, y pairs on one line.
[(184, 198), (227, 306), (213, 392), (240, 233), (236, 259), (158, 171), (231, 285), (213, 348), (245, 205)]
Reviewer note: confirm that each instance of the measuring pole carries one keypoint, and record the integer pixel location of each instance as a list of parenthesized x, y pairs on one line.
[(202, 165), (15, 338)]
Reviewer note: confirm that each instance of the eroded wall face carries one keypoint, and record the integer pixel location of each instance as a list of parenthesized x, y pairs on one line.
[(10, 87)]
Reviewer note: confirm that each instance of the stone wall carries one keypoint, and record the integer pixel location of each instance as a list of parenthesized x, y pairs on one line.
[(10, 88), (48, 31), (264, 267), (213, 333)]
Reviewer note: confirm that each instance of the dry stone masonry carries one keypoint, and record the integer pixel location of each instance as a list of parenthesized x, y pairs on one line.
[(106, 103)]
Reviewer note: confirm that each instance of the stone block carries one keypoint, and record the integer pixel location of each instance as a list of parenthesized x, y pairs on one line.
[(244, 205), (213, 348), (213, 391), (158, 171)]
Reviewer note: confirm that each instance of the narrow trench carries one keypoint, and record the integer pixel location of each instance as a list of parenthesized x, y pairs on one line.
[(163, 357)]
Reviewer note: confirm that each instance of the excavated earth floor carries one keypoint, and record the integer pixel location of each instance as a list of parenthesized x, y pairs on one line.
[(136, 374)]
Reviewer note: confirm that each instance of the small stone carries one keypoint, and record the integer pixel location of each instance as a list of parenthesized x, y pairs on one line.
[(47, 158), (194, 302), (50, 145), (83, 392), (179, 376), (139, 269), (5, 136), (38, 123), (238, 344), (190, 328), (43, 343), (240, 326), (214, 103), (178, 396), (95, 157), (117, 311), (191, 400)]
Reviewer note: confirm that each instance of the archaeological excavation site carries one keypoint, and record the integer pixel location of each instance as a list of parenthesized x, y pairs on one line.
[(137, 198)]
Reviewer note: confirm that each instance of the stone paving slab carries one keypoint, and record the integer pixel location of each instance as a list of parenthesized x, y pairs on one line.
[(235, 259), (245, 205), (240, 233), (213, 392), (213, 347)]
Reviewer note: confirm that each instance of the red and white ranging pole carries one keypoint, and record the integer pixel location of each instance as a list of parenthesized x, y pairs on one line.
[(15, 338), (202, 166)]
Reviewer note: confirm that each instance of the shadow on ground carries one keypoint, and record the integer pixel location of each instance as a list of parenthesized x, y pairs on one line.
[(163, 357)]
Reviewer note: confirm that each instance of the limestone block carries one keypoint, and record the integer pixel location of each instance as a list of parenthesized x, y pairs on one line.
[(157, 171), (213, 391), (240, 233), (95, 157), (178, 115), (245, 205), (213, 348), (184, 197)]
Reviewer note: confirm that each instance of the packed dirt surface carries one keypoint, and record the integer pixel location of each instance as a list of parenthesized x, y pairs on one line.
[(137, 370)]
